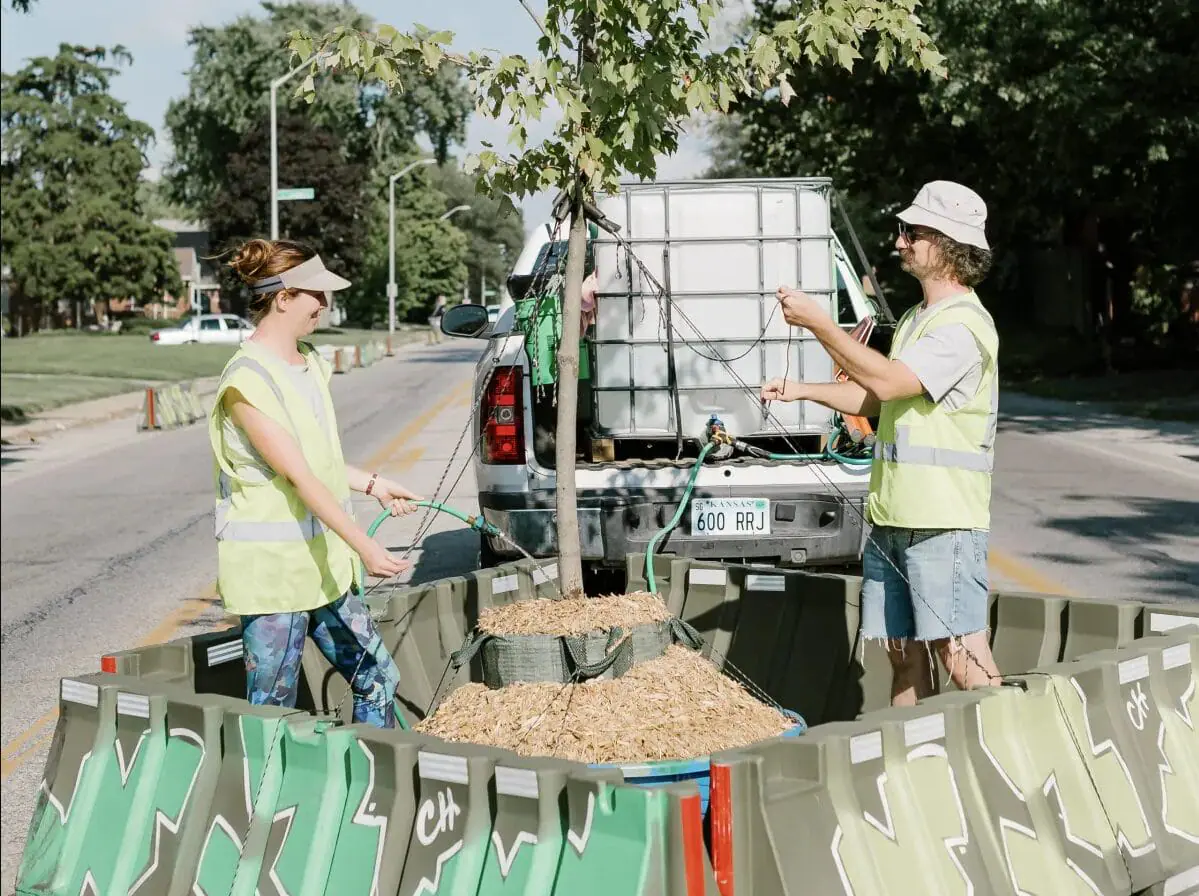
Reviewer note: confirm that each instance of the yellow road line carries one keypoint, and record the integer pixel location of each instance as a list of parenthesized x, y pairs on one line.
[(1024, 575), (23, 747)]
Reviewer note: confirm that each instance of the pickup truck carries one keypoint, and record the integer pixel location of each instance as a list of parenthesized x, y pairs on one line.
[(658, 369)]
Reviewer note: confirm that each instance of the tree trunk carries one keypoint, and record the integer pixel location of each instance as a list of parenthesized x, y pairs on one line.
[(570, 562)]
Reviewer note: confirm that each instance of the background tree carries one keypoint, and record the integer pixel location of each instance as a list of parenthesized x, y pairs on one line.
[(625, 75), (71, 224), (494, 227), (430, 254), (332, 223), (229, 93), (1077, 121)]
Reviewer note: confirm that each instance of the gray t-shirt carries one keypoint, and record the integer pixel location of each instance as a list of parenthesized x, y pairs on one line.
[(948, 362)]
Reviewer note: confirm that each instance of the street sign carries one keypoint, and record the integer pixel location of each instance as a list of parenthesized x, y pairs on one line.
[(297, 193)]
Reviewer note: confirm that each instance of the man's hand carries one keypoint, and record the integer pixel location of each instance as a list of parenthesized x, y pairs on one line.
[(799, 309), (394, 497), (779, 389)]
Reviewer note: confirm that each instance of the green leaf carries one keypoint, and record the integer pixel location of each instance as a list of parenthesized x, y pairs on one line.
[(846, 54)]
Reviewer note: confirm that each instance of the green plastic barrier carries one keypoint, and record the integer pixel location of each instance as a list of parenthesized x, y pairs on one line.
[(150, 766), (1099, 625)]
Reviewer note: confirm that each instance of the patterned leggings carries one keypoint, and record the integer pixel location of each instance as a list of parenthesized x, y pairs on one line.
[(345, 634)]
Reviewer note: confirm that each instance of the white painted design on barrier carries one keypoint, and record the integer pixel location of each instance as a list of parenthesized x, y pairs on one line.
[(446, 812), (1007, 826), (1163, 769), (506, 858), (503, 584), (431, 886), (887, 826), (838, 834), (217, 822), (89, 887), (1098, 750), (164, 822), (579, 841), (65, 811), (543, 574), (126, 768), (955, 846), (1184, 712), (1137, 707), (288, 816), (1051, 786), (364, 816)]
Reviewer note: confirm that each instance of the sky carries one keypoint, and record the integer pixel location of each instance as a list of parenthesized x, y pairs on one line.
[(155, 33)]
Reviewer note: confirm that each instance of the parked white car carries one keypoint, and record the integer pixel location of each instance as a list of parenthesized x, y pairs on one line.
[(218, 329)]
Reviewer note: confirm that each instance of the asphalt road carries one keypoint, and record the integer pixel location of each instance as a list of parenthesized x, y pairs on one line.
[(107, 538)]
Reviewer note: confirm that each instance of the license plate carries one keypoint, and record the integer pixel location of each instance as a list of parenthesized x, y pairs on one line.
[(730, 517)]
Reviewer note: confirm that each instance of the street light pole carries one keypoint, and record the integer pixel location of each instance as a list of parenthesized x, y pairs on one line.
[(456, 208), (391, 241), (275, 85)]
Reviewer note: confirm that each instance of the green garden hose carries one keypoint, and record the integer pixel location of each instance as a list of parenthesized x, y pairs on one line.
[(651, 582), (473, 521)]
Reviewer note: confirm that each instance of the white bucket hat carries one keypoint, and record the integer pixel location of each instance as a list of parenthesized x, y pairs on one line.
[(311, 275), (954, 210)]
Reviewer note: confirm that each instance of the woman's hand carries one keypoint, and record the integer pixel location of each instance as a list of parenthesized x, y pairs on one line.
[(394, 497), (381, 563)]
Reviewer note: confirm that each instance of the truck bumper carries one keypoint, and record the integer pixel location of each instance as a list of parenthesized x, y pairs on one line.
[(807, 527)]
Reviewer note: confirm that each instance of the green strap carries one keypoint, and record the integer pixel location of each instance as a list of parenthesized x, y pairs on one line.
[(583, 669), (684, 633), (466, 652)]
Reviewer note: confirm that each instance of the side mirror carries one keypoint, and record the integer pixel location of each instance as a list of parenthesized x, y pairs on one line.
[(469, 321)]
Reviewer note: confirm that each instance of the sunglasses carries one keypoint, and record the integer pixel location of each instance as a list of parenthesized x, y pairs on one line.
[(912, 234)]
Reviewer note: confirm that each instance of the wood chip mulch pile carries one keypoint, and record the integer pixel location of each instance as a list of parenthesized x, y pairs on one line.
[(678, 706)]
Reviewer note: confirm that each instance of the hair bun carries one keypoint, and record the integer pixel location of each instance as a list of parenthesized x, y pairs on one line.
[(251, 258)]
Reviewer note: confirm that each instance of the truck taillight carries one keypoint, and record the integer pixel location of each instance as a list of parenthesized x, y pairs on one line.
[(503, 418)]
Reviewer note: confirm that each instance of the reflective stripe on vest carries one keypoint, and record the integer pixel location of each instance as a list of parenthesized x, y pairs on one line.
[(902, 451), (305, 529)]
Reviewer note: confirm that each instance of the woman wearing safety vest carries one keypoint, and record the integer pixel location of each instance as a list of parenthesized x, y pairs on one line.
[(286, 536), (924, 569)]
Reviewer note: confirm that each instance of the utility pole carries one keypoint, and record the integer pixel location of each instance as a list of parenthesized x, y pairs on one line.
[(275, 85), (391, 241)]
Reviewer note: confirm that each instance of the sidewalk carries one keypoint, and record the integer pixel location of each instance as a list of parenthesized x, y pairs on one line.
[(88, 413)]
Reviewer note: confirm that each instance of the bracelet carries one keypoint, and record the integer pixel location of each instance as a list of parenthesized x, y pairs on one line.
[(371, 484)]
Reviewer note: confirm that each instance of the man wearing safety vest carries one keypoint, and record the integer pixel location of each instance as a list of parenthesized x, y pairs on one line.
[(287, 541), (936, 396)]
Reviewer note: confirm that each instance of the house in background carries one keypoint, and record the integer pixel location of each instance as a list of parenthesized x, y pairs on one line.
[(199, 272)]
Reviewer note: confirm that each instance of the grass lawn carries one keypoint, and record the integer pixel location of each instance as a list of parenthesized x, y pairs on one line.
[(50, 370), (1154, 395)]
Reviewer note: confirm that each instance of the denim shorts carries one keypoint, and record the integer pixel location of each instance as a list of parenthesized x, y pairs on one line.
[(924, 584)]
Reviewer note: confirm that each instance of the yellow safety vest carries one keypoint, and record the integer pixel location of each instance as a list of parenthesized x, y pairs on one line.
[(932, 467), (273, 554)]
